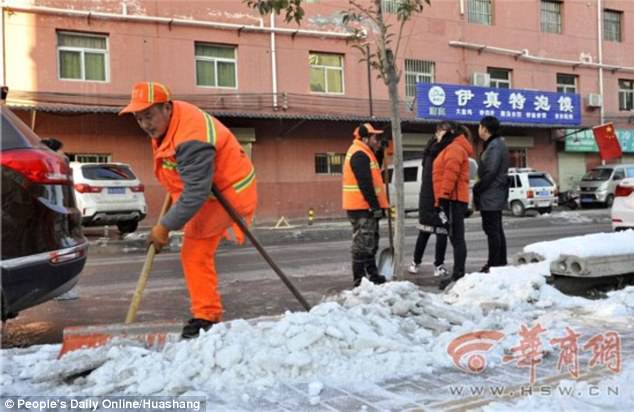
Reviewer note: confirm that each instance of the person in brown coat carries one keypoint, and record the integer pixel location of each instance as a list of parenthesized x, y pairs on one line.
[(450, 178)]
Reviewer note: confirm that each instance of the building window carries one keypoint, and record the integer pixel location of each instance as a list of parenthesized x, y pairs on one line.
[(326, 73), (480, 11), (500, 78), (517, 157), (551, 16), (82, 56), (566, 83), (626, 94), (329, 163), (216, 66), (612, 25), (390, 6), (417, 71), (89, 157)]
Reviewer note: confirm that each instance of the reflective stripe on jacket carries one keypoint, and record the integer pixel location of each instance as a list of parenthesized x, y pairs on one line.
[(353, 198)]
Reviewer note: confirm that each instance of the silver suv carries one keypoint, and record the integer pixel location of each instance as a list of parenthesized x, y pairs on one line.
[(599, 184)]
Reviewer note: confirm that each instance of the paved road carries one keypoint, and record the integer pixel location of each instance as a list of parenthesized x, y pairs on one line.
[(249, 287)]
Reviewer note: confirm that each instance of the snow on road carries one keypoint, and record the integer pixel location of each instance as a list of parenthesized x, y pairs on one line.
[(364, 336)]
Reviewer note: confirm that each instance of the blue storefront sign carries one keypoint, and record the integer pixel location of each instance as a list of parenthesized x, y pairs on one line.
[(470, 103)]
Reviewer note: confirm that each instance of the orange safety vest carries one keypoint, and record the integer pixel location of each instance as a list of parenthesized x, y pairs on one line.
[(233, 169), (353, 199)]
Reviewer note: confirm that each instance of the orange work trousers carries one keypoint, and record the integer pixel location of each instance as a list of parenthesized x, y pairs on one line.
[(198, 252)]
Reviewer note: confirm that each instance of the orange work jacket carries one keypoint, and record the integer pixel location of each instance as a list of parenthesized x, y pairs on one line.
[(233, 170), (353, 198)]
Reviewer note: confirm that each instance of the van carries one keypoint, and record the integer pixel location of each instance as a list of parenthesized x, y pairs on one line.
[(530, 189), (413, 177), (598, 185)]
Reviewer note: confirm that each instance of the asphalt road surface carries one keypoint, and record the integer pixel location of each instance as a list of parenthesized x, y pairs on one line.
[(248, 286)]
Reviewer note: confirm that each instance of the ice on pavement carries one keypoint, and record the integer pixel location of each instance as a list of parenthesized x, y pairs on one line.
[(366, 335)]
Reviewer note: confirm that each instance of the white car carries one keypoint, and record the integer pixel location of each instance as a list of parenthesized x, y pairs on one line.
[(108, 194), (531, 190), (623, 206), (412, 179)]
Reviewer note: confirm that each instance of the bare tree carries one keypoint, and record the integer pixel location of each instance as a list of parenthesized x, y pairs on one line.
[(368, 20)]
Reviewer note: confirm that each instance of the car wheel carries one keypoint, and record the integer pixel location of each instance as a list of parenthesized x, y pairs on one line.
[(128, 226), (517, 208), (609, 200), (543, 210)]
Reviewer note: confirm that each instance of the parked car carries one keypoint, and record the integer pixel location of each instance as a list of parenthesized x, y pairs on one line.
[(599, 184), (43, 247), (412, 178), (623, 207), (531, 190), (109, 194)]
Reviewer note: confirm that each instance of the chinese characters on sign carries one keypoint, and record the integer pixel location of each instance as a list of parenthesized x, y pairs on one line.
[(467, 351), (471, 103)]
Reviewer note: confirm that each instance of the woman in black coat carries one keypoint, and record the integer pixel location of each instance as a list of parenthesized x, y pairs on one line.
[(428, 220)]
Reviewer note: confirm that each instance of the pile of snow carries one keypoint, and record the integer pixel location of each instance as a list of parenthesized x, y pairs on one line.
[(366, 335), (572, 217)]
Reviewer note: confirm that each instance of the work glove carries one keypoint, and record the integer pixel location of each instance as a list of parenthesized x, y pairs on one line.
[(377, 213), (159, 237)]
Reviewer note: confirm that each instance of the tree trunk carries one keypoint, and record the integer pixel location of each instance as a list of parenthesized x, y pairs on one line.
[(399, 201)]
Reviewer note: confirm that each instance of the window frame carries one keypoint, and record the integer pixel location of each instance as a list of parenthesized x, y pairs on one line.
[(326, 68), (619, 22), (626, 94), (418, 74), (473, 16), (497, 81), (566, 86), (329, 156), (82, 51), (559, 13), (215, 60)]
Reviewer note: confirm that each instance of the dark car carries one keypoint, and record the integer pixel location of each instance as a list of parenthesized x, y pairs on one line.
[(43, 247)]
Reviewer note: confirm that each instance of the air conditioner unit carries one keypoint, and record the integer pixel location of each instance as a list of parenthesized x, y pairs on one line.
[(595, 100), (481, 79), (585, 57)]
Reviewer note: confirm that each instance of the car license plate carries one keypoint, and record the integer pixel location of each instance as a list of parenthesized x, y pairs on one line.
[(543, 194), (586, 200), (116, 190)]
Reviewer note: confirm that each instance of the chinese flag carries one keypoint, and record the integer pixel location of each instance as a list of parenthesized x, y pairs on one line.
[(609, 146)]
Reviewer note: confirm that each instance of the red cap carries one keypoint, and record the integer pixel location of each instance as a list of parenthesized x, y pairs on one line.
[(144, 95), (365, 130)]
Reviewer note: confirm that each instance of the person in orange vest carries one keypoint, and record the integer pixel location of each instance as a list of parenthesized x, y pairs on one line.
[(193, 151), (364, 200)]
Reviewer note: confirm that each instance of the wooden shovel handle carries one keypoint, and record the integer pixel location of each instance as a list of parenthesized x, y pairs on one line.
[(147, 268)]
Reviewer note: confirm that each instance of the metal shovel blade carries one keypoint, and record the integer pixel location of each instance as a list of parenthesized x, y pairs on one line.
[(386, 263)]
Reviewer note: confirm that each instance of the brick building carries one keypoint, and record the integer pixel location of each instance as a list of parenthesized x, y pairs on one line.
[(292, 95)]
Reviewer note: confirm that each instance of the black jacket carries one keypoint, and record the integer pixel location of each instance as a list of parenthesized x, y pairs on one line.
[(491, 192), (427, 214)]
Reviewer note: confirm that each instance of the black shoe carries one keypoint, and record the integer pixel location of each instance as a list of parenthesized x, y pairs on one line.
[(378, 279), (446, 281), (485, 268), (192, 328)]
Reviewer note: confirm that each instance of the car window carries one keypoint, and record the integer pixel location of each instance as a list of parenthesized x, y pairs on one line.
[(518, 181), (107, 172), (630, 171), (410, 174), (598, 174), (539, 181), (619, 174), (15, 134), (511, 180)]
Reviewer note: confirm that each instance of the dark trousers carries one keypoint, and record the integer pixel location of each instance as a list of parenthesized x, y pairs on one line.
[(492, 226), (421, 244), (365, 244), (456, 236)]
